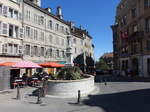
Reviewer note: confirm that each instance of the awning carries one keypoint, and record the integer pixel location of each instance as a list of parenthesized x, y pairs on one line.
[(7, 64), (51, 64), (26, 64), (62, 62)]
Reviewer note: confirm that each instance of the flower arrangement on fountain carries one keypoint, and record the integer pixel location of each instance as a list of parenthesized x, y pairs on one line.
[(69, 73)]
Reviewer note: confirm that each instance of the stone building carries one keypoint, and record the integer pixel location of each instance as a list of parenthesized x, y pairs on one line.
[(45, 36), (11, 32), (131, 40), (29, 32)]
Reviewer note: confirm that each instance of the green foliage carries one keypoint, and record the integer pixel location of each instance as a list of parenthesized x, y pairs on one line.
[(102, 65), (68, 73)]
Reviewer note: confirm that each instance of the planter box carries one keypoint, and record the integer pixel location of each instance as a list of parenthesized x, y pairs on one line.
[(69, 88)]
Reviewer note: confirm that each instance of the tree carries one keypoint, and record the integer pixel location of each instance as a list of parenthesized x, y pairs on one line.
[(89, 63), (102, 65)]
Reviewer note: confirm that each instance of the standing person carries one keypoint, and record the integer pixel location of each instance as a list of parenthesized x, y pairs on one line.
[(25, 78)]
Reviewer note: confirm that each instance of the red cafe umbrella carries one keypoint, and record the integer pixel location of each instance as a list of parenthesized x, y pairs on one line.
[(8, 64), (51, 64)]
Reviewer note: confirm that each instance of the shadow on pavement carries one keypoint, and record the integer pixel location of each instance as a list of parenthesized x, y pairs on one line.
[(110, 78), (132, 101)]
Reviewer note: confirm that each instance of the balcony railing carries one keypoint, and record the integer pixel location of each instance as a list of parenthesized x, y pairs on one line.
[(137, 34), (11, 55)]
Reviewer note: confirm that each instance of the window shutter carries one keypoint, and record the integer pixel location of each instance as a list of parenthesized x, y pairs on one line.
[(45, 52), (5, 46), (32, 51), (21, 33), (5, 29), (20, 16), (39, 51), (24, 49), (0, 28), (20, 50), (5, 10), (31, 33)]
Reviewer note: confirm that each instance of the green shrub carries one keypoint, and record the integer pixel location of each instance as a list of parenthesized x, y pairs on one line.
[(68, 73)]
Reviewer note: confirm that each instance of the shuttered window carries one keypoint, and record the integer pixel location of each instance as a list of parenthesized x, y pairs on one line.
[(4, 48), (5, 29), (5, 10), (0, 9), (27, 31), (21, 33), (20, 49), (0, 27), (35, 34), (31, 33), (27, 49)]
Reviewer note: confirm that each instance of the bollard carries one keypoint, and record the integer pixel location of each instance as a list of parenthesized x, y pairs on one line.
[(44, 87), (39, 101), (18, 93), (79, 97)]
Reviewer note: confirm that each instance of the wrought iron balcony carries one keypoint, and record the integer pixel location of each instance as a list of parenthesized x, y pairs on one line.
[(137, 35)]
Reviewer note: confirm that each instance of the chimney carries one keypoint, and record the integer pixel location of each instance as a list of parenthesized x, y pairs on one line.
[(72, 25), (59, 12), (36, 2), (81, 27), (49, 9)]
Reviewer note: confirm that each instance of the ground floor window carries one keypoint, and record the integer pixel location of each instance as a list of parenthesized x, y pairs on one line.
[(125, 64)]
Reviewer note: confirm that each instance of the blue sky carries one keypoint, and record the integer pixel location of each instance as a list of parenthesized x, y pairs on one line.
[(94, 15)]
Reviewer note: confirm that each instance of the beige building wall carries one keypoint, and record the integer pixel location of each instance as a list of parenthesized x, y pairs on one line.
[(81, 46), (10, 30), (32, 33), (48, 36), (88, 46)]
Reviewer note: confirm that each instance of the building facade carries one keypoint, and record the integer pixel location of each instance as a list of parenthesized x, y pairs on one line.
[(45, 36), (131, 40), (29, 32), (11, 31)]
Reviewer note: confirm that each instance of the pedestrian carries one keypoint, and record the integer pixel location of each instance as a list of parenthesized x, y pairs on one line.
[(25, 78)]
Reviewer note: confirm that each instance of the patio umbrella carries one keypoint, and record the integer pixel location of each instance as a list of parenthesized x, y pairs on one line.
[(8, 64), (26, 64), (51, 64)]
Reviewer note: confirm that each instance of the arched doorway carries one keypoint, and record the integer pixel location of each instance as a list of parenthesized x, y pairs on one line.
[(135, 66)]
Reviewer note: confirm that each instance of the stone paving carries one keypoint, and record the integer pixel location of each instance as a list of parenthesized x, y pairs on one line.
[(113, 97)]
